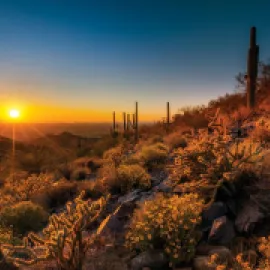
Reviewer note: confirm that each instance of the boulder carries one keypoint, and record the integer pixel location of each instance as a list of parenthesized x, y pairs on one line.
[(222, 231), (216, 210), (154, 259), (130, 197), (248, 217), (115, 222), (164, 187)]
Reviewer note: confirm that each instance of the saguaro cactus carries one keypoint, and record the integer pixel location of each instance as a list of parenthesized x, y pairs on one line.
[(168, 117), (125, 122), (136, 122), (128, 122), (252, 69), (114, 124), (114, 132)]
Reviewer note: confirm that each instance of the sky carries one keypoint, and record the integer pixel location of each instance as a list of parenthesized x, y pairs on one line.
[(66, 61)]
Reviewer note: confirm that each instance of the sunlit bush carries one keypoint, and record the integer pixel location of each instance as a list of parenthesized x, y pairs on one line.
[(154, 155), (175, 140), (24, 217), (170, 224), (23, 189), (132, 176), (114, 155), (56, 195)]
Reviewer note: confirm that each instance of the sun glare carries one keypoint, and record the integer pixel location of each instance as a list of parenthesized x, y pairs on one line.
[(14, 113)]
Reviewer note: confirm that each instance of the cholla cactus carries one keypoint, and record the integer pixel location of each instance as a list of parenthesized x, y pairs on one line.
[(62, 239)]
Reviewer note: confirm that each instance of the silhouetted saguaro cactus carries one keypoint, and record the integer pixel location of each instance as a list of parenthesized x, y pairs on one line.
[(128, 121), (168, 117), (136, 122), (252, 69), (125, 122), (114, 132)]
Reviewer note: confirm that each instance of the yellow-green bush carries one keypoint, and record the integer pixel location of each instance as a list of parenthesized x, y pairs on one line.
[(167, 223), (114, 155), (123, 178), (132, 176), (154, 155), (24, 217), (175, 140), (23, 188)]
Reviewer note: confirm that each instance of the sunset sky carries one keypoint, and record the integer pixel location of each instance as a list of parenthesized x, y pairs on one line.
[(63, 60)]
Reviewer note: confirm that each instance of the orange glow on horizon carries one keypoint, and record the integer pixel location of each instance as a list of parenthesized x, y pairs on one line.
[(42, 113)]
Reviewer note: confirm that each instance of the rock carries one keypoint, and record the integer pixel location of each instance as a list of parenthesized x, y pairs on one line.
[(248, 217), (145, 196), (232, 207), (202, 263), (222, 231), (115, 222), (154, 259), (216, 210), (130, 197), (163, 187)]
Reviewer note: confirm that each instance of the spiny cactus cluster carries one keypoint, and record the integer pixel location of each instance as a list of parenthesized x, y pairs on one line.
[(62, 239), (210, 160), (217, 123)]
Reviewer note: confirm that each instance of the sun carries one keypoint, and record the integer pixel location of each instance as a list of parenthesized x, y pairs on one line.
[(14, 113)]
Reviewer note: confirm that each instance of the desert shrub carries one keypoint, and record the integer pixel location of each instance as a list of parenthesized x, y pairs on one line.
[(55, 196), (262, 131), (24, 217), (65, 170), (7, 237), (92, 189), (123, 178), (23, 189), (156, 139), (264, 249), (175, 140), (114, 155), (170, 224), (154, 155), (62, 240), (94, 164), (132, 176), (131, 160), (104, 144), (80, 174)]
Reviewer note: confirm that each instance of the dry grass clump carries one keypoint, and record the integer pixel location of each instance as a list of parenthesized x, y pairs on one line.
[(169, 224), (175, 140), (56, 195), (123, 178), (132, 176), (22, 189), (154, 155), (24, 217), (114, 155)]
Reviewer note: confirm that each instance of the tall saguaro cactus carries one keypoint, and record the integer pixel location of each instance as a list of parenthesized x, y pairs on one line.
[(114, 124), (168, 117), (125, 122), (136, 122), (252, 69), (128, 121)]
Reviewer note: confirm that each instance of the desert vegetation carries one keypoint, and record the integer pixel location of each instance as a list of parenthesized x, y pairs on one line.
[(192, 193)]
